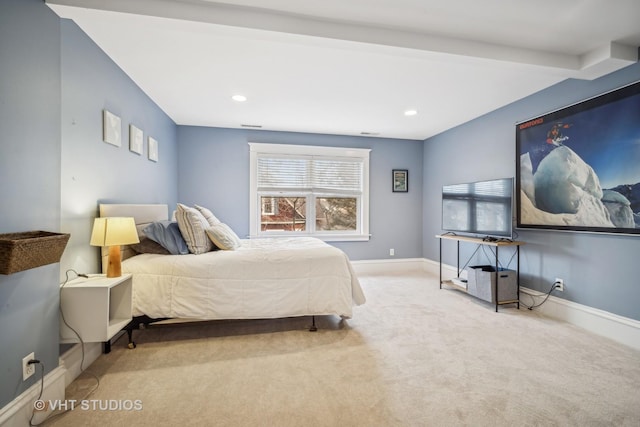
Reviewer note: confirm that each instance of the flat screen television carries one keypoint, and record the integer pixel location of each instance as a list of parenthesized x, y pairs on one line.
[(481, 208), (578, 168)]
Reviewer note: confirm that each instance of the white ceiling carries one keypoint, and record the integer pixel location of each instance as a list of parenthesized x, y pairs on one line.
[(352, 66)]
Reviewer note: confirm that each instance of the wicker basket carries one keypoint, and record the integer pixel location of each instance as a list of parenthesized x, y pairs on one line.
[(30, 249)]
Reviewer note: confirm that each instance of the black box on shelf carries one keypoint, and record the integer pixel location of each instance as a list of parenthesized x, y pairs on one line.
[(481, 281)]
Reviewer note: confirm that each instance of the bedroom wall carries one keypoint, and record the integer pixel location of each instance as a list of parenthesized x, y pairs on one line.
[(213, 166), (30, 177), (598, 270), (92, 170)]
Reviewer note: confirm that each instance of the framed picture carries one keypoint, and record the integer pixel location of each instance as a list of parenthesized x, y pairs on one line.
[(400, 180), (111, 128), (153, 150), (578, 168), (136, 139)]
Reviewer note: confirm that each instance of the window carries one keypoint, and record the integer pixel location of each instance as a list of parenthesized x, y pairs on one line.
[(299, 190), (269, 206)]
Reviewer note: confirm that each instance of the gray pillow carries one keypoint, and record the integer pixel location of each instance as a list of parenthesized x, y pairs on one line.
[(148, 246)]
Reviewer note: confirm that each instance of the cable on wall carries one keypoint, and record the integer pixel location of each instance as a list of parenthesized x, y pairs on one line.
[(547, 295), (52, 415)]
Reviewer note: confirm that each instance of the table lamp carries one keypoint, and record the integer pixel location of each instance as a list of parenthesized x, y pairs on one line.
[(113, 232)]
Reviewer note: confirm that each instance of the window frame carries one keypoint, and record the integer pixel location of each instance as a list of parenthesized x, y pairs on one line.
[(362, 198)]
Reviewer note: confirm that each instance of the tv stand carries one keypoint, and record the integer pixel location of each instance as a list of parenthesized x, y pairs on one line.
[(459, 283)]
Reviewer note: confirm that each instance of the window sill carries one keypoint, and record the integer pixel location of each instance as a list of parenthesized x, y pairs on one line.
[(324, 237), (345, 238)]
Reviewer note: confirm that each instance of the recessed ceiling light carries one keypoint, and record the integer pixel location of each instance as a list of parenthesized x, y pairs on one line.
[(239, 98), (410, 112)]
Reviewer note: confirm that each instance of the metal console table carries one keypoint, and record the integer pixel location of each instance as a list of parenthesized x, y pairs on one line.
[(479, 241)]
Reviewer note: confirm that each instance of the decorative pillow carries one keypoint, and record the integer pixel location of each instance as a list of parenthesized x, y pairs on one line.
[(223, 237), (208, 215), (148, 246), (168, 235), (192, 225)]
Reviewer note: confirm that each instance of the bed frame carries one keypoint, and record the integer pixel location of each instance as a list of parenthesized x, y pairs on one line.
[(143, 215)]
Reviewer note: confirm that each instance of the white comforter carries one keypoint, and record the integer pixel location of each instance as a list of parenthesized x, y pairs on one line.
[(264, 278)]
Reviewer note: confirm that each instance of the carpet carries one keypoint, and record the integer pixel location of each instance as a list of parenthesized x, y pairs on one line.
[(413, 355)]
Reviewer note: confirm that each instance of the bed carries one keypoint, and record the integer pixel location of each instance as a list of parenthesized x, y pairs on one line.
[(260, 279)]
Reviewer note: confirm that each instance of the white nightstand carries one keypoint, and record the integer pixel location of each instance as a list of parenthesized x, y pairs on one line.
[(96, 307)]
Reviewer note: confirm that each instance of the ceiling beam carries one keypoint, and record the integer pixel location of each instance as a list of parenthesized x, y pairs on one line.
[(589, 65)]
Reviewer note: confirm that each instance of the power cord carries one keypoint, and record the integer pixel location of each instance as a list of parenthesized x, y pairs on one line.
[(62, 312), (51, 416), (547, 295), (33, 412)]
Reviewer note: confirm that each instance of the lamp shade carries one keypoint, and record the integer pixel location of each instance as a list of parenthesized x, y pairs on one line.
[(114, 231)]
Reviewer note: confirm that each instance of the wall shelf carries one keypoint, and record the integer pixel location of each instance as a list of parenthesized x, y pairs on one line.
[(30, 249)]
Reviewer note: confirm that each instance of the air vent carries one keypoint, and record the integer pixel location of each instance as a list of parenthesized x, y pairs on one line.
[(370, 133), (251, 126)]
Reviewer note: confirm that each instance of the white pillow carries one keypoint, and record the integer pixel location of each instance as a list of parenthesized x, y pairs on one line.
[(223, 237), (208, 215), (192, 227)]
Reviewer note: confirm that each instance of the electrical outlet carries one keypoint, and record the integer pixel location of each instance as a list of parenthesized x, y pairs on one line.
[(559, 285), (392, 252), (28, 369)]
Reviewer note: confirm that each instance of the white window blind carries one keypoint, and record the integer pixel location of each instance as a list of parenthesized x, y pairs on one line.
[(335, 174), (309, 173), (497, 188)]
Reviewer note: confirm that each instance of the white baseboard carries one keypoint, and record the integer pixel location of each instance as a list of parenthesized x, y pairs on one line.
[(17, 413), (72, 359), (380, 266), (618, 328), (600, 322)]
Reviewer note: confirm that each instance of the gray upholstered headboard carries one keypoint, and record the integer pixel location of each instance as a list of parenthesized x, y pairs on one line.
[(142, 215)]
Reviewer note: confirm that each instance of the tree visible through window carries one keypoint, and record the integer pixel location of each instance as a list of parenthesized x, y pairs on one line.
[(290, 216), (336, 213), (307, 190)]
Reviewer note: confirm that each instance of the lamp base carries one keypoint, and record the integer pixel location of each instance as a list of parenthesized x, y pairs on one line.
[(114, 267)]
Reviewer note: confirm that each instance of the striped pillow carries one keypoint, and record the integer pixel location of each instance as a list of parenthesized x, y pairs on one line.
[(223, 237), (208, 215), (192, 227)]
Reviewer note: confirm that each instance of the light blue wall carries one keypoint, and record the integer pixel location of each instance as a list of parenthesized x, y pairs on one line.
[(55, 169), (92, 170), (214, 172), (30, 183), (599, 270)]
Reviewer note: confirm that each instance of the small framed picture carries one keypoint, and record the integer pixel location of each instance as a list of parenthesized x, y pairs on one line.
[(400, 180), (153, 150), (111, 128), (136, 139)]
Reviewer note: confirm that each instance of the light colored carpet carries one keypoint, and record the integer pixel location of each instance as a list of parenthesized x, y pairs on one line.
[(413, 355)]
